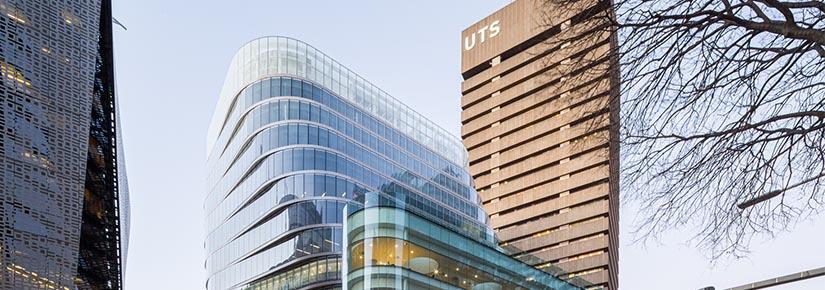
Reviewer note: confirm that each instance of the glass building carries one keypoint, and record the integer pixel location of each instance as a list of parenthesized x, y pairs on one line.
[(302, 150), (64, 219)]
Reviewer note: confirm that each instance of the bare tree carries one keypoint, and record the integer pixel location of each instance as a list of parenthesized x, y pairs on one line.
[(722, 112)]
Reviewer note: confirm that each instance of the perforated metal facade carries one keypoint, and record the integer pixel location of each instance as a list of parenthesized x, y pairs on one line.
[(61, 220)]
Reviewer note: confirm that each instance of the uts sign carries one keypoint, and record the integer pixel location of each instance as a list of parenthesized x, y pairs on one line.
[(484, 33)]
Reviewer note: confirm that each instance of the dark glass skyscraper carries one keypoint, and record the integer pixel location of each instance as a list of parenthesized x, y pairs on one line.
[(295, 139), (64, 216)]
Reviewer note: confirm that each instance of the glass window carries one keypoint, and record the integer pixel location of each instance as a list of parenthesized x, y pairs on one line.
[(320, 160), (293, 110), (319, 185), (265, 116), (283, 136), (286, 89), (288, 160), (330, 185), (317, 94), (256, 92), (275, 87), (299, 184), (341, 166), (309, 159), (351, 112), (256, 118), (324, 117), (298, 161), (343, 188), (273, 112), (309, 182), (265, 90), (284, 110), (331, 162), (265, 140), (325, 98), (296, 88), (333, 140), (273, 137), (323, 137), (248, 97), (303, 134), (314, 113), (307, 90), (281, 188), (293, 134), (349, 131), (333, 121), (330, 211), (303, 110), (277, 164), (313, 135)]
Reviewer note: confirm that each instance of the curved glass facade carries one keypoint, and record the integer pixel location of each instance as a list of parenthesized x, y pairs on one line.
[(290, 153), (392, 248), (296, 139)]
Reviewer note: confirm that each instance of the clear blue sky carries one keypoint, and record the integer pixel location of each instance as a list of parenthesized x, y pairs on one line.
[(171, 65)]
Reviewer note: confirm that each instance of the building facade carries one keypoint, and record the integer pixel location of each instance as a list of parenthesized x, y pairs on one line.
[(540, 121), (64, 217), (296, 138), (391, 246)]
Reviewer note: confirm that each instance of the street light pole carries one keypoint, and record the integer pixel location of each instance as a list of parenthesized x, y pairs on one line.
[(774, 193)]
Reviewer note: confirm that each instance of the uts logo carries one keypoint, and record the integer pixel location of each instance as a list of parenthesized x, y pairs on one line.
[(484, 33)]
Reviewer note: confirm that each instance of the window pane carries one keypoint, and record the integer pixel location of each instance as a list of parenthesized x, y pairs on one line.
[(307, 90), (256, 92), (317, 95), (288, 160), (273, 112), (303, 134), (286, 89), (330, 162), (323, 137), (304, 110), (298, 161), (284, 110), (314, 113), (293, 110), (283, 136), (309, 159), (248, 98), (320, 160), (256, 118), (293, 134), (278, 164), (265, 90), (309, 181), (275, 87), (296, 88), (313, 135), (265, 116)]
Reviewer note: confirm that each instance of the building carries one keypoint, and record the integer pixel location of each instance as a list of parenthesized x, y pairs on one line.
[(296, 138), (64, 216), (540, 121)]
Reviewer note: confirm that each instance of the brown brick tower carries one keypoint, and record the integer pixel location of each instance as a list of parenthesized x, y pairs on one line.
[(540, 121)]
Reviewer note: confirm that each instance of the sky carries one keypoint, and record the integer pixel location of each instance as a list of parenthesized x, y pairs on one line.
[(171, 63)]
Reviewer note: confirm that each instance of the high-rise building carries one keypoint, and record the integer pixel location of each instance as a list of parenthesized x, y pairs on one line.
[(540, 121), (297, 138), (64, 216)]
